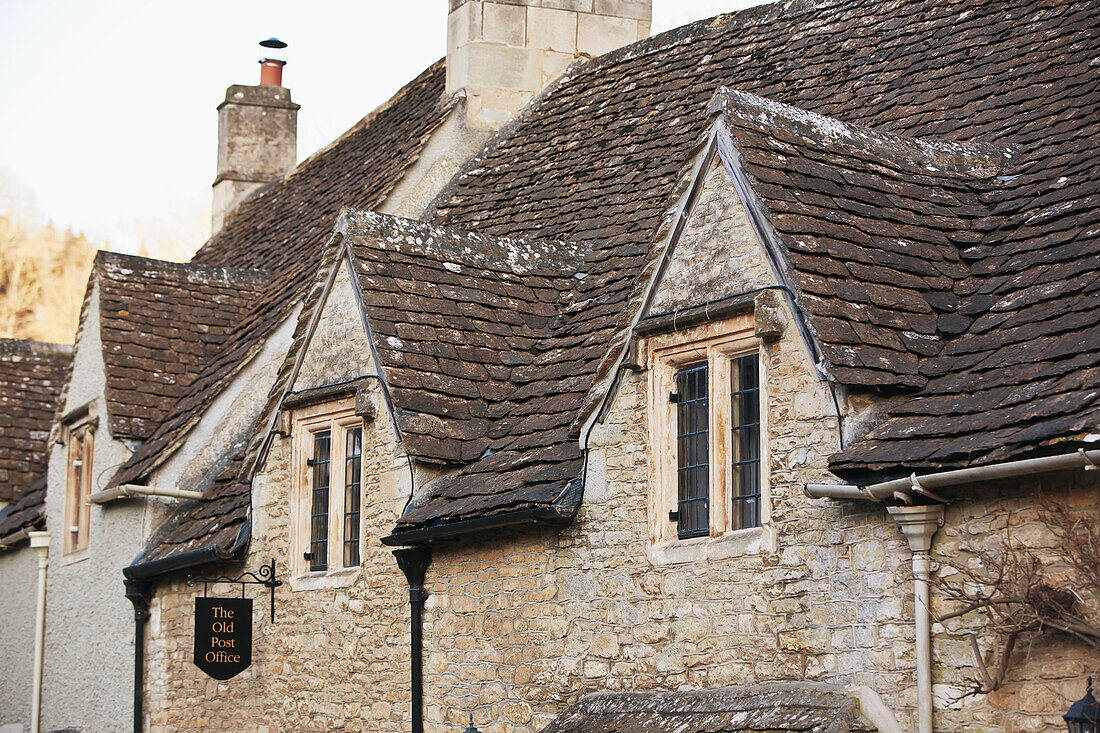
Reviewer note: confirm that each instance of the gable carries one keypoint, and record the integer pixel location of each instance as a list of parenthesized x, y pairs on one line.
[(338, 350), (717, 255)]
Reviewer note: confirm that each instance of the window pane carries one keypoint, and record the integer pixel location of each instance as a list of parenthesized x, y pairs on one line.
[(318, 542), (353, 461), (745, 441), (693, 451)]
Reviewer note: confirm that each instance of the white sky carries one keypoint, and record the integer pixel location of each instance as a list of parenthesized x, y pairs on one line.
[(107, 107)]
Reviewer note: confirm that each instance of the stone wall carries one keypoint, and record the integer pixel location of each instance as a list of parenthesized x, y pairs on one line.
[(335, 658), (519, 625), (504, 52)]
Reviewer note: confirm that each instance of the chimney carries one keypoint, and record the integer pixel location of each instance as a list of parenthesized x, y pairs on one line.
[(504, 52), (257, 135)]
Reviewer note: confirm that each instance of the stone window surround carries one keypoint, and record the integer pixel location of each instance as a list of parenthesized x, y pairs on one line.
[(716, 343), (336, 416), (78, 429)]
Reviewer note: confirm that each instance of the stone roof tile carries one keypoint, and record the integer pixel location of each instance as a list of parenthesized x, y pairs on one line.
[(32, 375)]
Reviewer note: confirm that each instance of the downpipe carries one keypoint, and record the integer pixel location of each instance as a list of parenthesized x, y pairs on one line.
[(414, 562), (919, 524), (140, 593), (40, 542)]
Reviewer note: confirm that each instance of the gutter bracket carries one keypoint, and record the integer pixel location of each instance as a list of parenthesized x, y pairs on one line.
[(1090, 465), (919, 488)]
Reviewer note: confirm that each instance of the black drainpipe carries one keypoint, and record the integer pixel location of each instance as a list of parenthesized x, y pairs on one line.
[(139, 592), (414, 561)]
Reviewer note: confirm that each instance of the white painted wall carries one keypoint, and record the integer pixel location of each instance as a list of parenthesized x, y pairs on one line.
[(19, 569), (88, 665)]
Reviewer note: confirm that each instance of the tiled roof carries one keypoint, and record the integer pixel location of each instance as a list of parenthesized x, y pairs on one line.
[(1017, 76), (160, 323), (797, 707), (899, 247), (1024, 376), (596, 159), (464, 326), (31, 377), (282, 229), (871, 226), (457, 320), (26, 514), (456, 317)]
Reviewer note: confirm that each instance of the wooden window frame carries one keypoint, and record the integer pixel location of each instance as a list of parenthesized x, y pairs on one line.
[(718, 345), (78, 487), (338, 419)]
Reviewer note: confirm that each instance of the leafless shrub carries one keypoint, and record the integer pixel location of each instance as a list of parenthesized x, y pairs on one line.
[(1014, 592)]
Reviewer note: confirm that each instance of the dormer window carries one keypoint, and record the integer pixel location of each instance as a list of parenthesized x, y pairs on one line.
[(705, 428)]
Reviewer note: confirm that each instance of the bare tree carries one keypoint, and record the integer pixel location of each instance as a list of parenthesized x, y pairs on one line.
[(1014, 592), (43, 272)]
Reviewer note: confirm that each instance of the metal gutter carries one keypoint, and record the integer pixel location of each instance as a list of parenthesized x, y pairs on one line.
[(127, 491), (13, 539), (904, 488), (537, 515)]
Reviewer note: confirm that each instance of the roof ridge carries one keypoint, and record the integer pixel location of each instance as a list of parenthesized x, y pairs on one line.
[(976, 159), (182, 269), (353, 222), (30, 347)]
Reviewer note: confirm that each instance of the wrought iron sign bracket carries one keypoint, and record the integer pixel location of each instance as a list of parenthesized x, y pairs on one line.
[(265, 576)]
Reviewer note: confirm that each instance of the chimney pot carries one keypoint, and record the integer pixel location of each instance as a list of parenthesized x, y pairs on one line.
[(271, 72)]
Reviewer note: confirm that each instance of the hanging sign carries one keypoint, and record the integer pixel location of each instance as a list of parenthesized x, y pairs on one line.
[(223, 636)]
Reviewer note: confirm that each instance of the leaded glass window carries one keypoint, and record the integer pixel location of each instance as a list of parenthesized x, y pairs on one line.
[(692, 451), (353, 460), (318, 534), (745, 441)]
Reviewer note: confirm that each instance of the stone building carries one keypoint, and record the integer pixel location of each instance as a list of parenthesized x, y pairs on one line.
[(672, 371)]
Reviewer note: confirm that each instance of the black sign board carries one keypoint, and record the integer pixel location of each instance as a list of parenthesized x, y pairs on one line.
[(223, 636)]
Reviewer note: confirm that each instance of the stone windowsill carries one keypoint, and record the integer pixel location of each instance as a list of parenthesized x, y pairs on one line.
[(735, 543), (320, 580)]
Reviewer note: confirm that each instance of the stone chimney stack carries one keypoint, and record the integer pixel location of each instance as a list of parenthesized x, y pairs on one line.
[(257, 135), (504, 52)]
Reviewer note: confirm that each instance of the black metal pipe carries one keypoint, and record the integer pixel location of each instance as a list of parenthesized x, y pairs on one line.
[(139, 593), (414, 561)]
